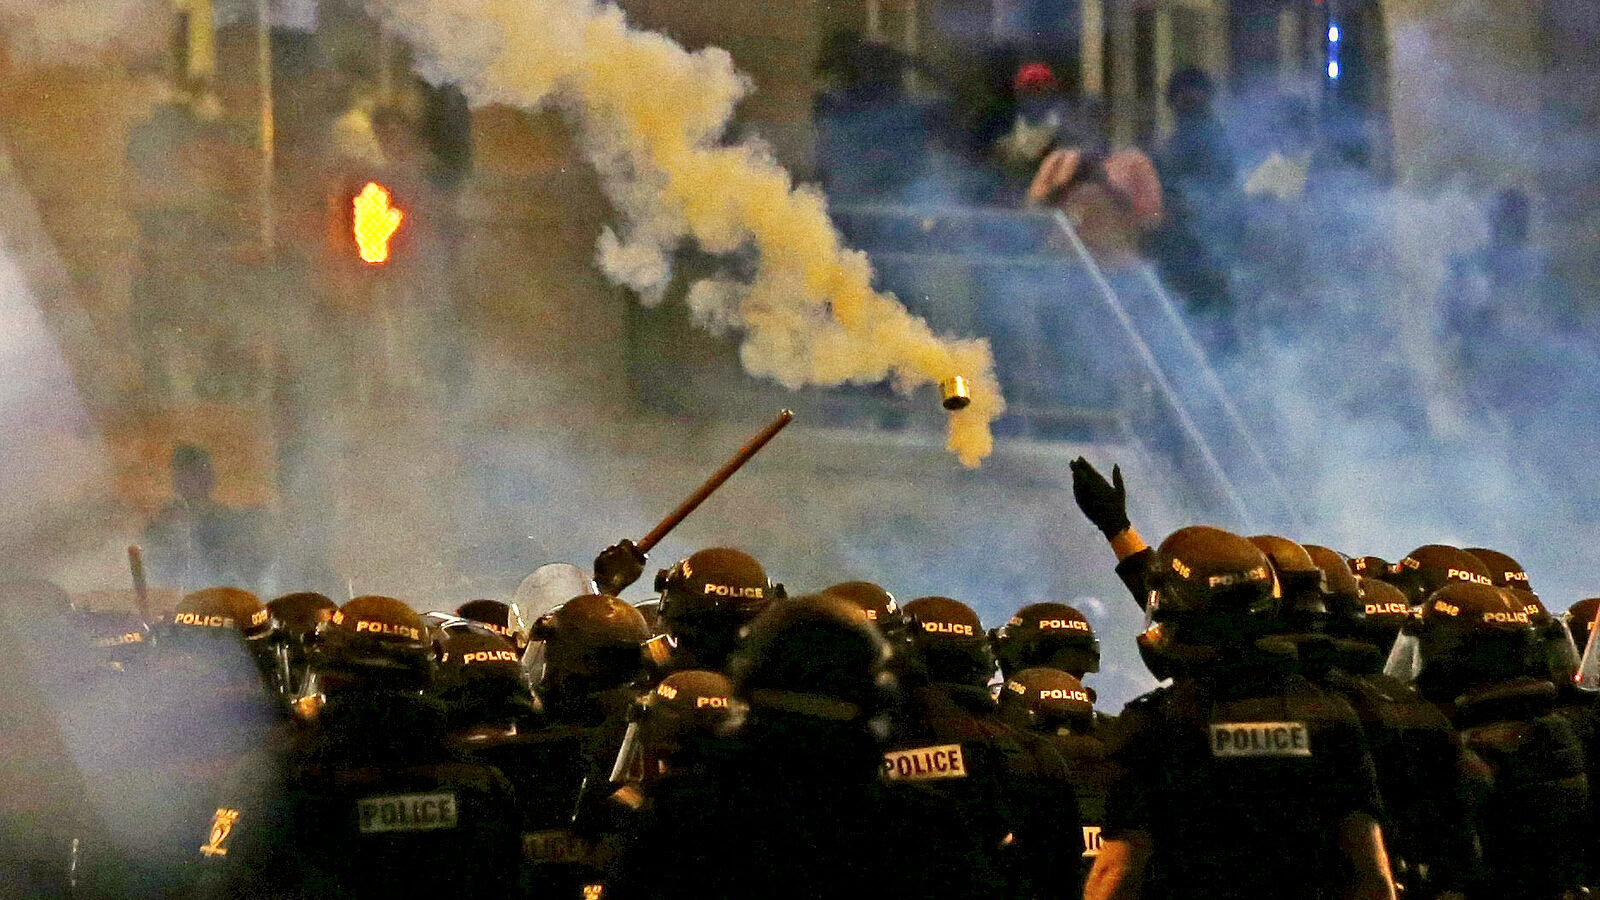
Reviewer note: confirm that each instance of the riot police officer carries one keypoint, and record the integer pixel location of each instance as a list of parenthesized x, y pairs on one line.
[(1241, 779), (1477, 656), (1014, 789), (1055, 704), (373, 802), (794, 806), (675, 728), (1413, 748)]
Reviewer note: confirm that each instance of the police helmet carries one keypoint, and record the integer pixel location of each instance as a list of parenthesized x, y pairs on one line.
[(493, 615), (374, 641), (1384, 606), (1207, 574), (1370, 567), (685, 712), (225, 609), (948, 639), (815, 659), (1432, 566), (878, 605), (595, 637), (1467, 634), (1210, 590), (297, 616), (1504, 571), (480, 676), (707, 598), (1580, 620), (713, 582), (1300, 579), (1343, 592), (1047, 634), (1045, 700)]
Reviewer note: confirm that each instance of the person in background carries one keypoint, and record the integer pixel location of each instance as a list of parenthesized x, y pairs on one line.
[(1194, 246), (1113, 196), (196, 541), (871, 136)]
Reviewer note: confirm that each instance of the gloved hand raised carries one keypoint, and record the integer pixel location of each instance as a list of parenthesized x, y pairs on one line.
[(618, 566), (1106, 505)]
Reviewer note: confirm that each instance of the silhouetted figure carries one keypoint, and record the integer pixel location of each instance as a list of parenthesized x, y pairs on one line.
[(196, 541)]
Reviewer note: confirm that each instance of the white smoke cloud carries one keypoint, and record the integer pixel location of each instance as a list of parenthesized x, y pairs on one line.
[(652, 117)]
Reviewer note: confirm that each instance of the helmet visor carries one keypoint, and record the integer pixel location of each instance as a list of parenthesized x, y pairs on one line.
[(547, 588), (1560, 651), (1405, 658), (1588, 678)]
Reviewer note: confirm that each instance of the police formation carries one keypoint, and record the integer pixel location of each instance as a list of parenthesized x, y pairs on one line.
[(1326, 728)]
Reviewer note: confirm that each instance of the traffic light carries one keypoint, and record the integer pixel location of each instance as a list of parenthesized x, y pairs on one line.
[(374, 223)]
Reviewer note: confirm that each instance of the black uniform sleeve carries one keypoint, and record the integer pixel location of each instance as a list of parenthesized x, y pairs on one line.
[(1348, 783), (1135, 573), (1050, 822), (1134, 747)]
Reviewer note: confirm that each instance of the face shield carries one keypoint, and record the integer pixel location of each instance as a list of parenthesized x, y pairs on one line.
[(1588, 677), (1561, 653), (538, 594), (1152, 642), (1405, 657)]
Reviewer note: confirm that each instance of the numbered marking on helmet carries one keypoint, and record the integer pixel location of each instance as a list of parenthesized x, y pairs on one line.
[(406, 812), (1242, 739), (1091, 841), (925, 763)]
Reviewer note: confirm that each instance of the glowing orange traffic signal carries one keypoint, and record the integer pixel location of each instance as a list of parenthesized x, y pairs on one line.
[(376, 221)]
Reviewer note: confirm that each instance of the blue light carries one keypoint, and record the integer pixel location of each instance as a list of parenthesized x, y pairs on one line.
[(1333, 69), (1333, 34)]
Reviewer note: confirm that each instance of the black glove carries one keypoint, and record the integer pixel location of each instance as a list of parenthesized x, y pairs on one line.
[(618, 566), (1106, 505)]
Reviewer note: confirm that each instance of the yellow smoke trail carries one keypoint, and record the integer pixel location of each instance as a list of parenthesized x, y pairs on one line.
[(652, 116)]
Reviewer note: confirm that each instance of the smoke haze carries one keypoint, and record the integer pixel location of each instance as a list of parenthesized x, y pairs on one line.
[(652, 116)]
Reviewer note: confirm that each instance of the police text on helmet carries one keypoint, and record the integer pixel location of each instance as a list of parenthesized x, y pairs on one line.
[(389, 628), (723, 590)]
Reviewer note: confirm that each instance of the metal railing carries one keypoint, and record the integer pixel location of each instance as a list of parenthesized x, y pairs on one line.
[(988, 241)]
